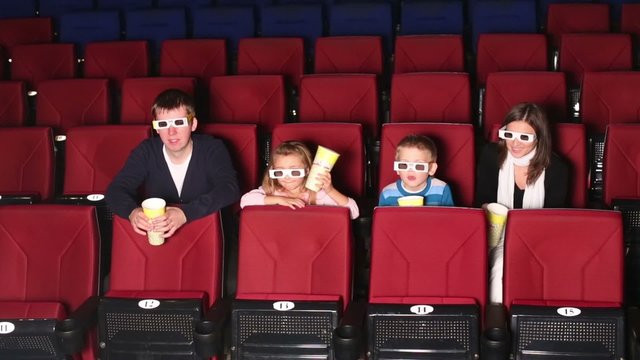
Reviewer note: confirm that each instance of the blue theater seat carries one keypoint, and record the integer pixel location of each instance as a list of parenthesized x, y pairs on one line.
[(124, 5), (55, 8), (84, 27), (431, 17), (499, 16), (299, 20), (231, 23), (14, 9), (155, 25), (362, 19)]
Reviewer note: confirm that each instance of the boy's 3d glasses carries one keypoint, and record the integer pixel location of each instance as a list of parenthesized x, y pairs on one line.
[(164, 124), (281, 173), (410, 166)]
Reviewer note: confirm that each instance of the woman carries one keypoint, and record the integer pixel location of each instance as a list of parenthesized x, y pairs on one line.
[(520, 172)]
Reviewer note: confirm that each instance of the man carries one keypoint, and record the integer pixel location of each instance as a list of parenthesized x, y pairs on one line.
[(191, 171)]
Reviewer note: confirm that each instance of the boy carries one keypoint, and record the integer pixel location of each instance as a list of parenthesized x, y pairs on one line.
[(193, 171), (415, 163)]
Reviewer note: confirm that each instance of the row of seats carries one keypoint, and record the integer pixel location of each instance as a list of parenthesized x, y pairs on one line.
[(428, 292), (94, 154), (306, 21), (203, 58), (606, 97)]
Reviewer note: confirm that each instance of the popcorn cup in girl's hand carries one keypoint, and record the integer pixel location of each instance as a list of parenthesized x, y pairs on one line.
[(154, 207), (322, 163)]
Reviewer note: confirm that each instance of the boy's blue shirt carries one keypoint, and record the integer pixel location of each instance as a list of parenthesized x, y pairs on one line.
[(436, 193)]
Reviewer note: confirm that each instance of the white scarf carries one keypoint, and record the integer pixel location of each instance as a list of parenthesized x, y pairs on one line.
[(533, 194)]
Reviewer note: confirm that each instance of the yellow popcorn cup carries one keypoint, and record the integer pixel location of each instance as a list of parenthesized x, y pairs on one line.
[(322, 163), (497, 218), (413, 200), (154, 207)]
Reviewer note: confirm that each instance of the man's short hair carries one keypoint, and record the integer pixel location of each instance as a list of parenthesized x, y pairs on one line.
[(420, 142), (173, 99)]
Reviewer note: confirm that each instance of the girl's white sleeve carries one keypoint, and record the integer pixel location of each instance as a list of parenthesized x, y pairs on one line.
[(324, 199), (253, 197)]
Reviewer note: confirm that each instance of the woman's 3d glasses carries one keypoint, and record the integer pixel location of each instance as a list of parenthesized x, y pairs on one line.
[(505, 134), (164, 124), (281, 173), (410, 166)]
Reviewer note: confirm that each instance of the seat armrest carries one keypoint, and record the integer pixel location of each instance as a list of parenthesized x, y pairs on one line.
[(208, 332), (495, 335), (633, 332), (347, 337), (71, 332)]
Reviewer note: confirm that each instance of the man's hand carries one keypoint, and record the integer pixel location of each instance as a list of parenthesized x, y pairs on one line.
[(140, 222), (170, 222)]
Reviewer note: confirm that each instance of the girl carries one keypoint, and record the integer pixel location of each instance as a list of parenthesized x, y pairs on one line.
[(283, 183)]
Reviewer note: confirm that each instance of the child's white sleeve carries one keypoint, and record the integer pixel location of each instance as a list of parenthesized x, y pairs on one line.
[(253, 197)]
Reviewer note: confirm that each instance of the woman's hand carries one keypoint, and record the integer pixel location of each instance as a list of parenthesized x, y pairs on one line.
[(292, 203)]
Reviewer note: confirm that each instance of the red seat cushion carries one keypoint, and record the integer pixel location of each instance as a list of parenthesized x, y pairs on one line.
[(32, 310), (289, 297)]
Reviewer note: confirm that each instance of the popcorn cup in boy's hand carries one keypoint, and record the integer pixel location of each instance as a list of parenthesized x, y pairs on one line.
[(413, 200), (322, 163), (497, 217), (154, 207)]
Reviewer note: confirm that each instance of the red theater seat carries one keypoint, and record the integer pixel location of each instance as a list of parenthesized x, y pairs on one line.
[(610, 98), (456, 155), (272, 56), (340, 98), (444, 269), (20, 31), (349, 54), (89, 105), (138, 95), (563, 270), (343, 138), (181, 278), (242, 142), (248, 99), (27, 163), (505, 90), (51, 252), (13, 111), (622, 162), (418, 53), (576, 18), (116, 60), (510, 52), (431, 97), (284, 266), (38, 62), (198, 58)]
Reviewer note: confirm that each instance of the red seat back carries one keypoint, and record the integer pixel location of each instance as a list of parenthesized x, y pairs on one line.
[(630, 19), (27, 161), (272, 56), (447, 259), (563, 255), (13, 110), (582, 53), (51, 252), (418, 53), (510, 52), (576, 18), (242, 142), (622, 162), (38, 62), (19, 31), (198, 58), (116, 60), (279, 254), (344, 138), (190, 260), (431, 97), (505, 90), (89, 105), (138, 95), (248, 99), (610, 98), (456, 155), (340, 98), (349, 54), (95, 154)]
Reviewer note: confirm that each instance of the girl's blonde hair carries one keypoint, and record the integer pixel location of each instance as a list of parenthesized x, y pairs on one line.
[(270, 185)]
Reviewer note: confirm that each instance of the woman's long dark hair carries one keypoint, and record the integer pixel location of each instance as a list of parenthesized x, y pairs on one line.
[(535, 116)]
